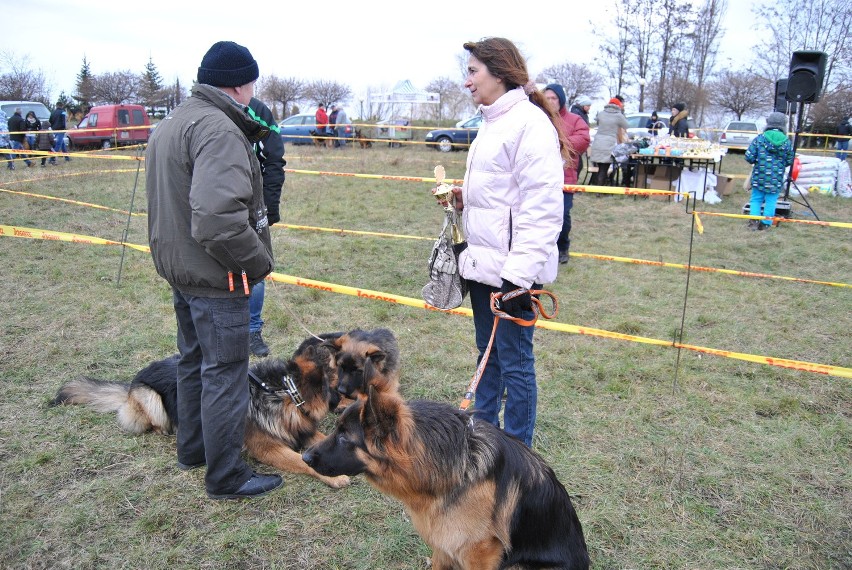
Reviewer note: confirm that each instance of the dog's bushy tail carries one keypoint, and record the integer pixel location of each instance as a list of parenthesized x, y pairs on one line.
[(138, 410), (100, 395)]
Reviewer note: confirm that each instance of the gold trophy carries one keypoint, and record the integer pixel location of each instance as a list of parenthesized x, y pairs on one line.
[(443, 193)]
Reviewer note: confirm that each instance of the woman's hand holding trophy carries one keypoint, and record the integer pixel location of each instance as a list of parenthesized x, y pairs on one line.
[(450, 198)]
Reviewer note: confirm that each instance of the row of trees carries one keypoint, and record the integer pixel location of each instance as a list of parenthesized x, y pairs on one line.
[(654, 52), (665, 51)]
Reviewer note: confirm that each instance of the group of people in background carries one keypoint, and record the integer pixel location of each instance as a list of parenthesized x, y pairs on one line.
[(332, 124), (27, 133)]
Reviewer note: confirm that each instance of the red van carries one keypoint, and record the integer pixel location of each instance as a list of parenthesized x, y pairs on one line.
[(111, 125)]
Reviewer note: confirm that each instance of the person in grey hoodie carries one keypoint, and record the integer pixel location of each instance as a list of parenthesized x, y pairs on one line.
[(209, 238)]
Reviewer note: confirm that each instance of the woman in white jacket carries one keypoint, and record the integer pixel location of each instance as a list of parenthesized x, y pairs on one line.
[(512, 214)]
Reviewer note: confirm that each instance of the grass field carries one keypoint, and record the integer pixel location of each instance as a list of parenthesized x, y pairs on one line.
[(696, 462)]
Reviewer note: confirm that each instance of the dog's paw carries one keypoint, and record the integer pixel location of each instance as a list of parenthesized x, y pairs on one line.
[(339, 482)]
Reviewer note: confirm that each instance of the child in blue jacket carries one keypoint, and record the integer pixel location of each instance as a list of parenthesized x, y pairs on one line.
[(771, 153)]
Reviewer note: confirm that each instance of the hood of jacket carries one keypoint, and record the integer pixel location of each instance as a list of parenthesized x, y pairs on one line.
[(775, 137), (253, 130), (679, 117)]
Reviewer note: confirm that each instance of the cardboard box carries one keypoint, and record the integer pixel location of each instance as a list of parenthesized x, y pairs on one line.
[(724, 185), (660, 177)]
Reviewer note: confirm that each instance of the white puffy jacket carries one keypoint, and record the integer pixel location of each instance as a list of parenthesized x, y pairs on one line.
[(512, 195)]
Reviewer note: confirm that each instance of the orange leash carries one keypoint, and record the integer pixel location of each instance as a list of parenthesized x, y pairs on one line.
[(538, 309)]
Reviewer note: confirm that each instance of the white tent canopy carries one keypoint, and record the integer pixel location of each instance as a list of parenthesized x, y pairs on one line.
[(405, 92)]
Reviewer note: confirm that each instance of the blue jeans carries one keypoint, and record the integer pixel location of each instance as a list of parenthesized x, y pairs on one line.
[(563, 242), (510, 369), (842, 145), (766, 199), (60, 146), (15, 145), (256, 307), (212, 387)]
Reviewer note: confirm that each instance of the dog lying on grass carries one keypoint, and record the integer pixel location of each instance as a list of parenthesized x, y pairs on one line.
[(278, 427)]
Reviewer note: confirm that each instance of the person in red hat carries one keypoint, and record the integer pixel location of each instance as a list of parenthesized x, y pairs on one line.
[(612, 130)]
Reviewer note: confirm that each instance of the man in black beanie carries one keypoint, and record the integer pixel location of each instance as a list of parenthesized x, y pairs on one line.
[(209, 238)]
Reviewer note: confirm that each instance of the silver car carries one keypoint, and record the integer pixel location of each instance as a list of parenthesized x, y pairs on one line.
[(737, 135)]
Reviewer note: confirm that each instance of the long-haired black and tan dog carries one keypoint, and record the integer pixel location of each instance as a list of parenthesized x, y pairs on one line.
[(277, 429), (479, 497), (375, 350)]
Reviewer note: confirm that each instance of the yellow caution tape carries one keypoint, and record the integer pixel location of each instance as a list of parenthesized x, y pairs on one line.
[(825, 369), (846, 225)]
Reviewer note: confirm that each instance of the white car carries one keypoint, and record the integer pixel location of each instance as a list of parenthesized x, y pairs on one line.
[(737, 135), (637, 124)]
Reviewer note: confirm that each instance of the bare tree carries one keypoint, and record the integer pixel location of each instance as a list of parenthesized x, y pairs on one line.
[(19, 81), (285, 92), (577, 79), (643, 33), (616, 50), (455, 100), (821, 25), (116, 87), (833, 107), (742, 93), (676, 17), (327, 92), (706, 36)]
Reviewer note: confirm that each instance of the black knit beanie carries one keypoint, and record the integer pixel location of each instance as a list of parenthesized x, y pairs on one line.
[(227, 64), (560, 93), (679, 106)]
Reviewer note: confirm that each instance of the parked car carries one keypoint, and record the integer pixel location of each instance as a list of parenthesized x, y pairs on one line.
[(737, 135), (456, 138), (297, 129), (42, 112), (111, 125), (636, 124)]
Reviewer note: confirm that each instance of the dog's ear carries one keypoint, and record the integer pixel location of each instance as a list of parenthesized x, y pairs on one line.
[(334, 344), (370, 372), (379, 415), (376, 356)]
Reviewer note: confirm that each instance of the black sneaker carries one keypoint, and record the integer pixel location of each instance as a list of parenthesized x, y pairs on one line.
[(257, 486), (563, 257), (256, 344)]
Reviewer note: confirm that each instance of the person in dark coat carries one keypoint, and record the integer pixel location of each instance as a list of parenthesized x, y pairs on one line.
[(17, 127), (209, 238), (844, 129), (678, 125), (58, 124), (270, 154), (654, 124)]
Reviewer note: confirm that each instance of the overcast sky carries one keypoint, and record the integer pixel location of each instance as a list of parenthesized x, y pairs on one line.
[(365, 45)]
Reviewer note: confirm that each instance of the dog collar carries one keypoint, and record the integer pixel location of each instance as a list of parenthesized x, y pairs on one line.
[(289, 388)]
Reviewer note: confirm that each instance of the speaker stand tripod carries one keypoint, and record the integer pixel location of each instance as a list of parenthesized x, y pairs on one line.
[(800, 117)]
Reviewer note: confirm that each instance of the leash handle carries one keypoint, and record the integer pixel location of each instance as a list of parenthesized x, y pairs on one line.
[(538, 309)]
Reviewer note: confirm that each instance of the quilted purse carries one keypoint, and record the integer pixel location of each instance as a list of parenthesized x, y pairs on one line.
[(445, 289)]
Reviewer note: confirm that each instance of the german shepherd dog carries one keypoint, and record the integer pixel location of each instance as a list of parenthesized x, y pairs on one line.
[(363, 142), (361, 354), (278, 427), (322, 140), (479, 497)]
